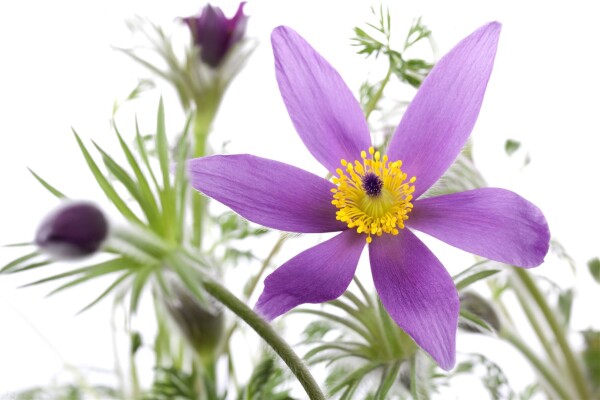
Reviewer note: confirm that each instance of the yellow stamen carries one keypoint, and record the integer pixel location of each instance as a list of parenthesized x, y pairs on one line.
[(373, 195)]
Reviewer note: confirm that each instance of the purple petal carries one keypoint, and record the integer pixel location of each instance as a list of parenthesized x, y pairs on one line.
[(417, 292), (326, 115), (319, 274), (439, 120), (237, 25), (492, 223), (267, 192)]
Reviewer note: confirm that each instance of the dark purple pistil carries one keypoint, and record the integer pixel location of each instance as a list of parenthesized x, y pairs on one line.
[(372, 184)]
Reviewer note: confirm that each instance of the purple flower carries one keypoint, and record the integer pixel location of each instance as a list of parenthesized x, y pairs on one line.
[(216, 34), (374, 198), (73, 230)]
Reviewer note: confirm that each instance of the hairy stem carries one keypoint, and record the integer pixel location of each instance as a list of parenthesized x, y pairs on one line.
[(372, 104), (573, 367), (202, 124), (269, 335), (550, 378)]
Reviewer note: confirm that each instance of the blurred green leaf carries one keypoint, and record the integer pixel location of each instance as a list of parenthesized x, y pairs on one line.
[(148, 204), (136, 342), (141, 277), (472, 319), (103, 268), (107, 291), (388, 379), (264, 383), (474, 273), (106, 186), (48, 187), (511, 146), (162, 146), (11, 265), (480, 307), (594, 268), (469, 280), (141, 147), (565, 305)]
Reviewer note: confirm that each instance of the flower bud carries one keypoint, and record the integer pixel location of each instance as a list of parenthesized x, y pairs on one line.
[(481, 308), (202, 325), (216, 34), (73, 230)]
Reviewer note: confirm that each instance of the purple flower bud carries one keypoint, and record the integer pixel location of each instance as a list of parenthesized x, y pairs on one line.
[(73, 230), (202, 325), (216, 34)]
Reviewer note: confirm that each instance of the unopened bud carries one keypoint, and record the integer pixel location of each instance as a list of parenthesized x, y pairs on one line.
[(73, 230), (481, 308), (215, 34), (202, 325)]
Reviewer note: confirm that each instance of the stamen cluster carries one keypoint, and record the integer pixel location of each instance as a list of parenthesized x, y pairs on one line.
[(373, 195)]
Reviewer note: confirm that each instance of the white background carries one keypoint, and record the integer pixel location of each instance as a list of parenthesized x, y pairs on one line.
[(58, 70)]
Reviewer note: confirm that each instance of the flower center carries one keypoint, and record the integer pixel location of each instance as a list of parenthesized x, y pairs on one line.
[(373, 195)]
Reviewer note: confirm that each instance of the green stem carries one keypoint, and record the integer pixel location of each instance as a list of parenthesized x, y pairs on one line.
[(573, 366), (266, 331), (551, 379), (254, 282), (276, 248), (377, 96), (202, 123), (539, 331)]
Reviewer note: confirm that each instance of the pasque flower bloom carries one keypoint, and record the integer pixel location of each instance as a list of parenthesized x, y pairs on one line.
[(374, 198), (216, 34)]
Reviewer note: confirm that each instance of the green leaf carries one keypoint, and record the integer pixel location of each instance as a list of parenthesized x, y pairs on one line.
[(166, 194), (150, 205), (340, 320), (48, 186), (351, 348), (162, 146), (181, 185), (565, 305), (28, 267), (136, 342), (141, 146), (108, 290), (23, 244), (96, 270), (511, 146), (594, 268), (316, 330), (354, 377), (121, 175), (387, 381), (191, 281), (139, 282), (481, 308), (15, 263), (469, 280), (473, 319), (105, 184), (473, 273)]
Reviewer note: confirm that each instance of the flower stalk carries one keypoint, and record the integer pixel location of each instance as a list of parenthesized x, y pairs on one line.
[(549, 377), (373, 101), (266, 331), (573, 367), (202, 125)]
